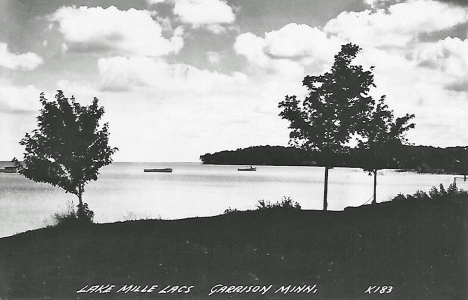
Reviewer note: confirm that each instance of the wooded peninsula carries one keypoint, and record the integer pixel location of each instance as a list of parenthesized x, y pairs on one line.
[(422, 159)]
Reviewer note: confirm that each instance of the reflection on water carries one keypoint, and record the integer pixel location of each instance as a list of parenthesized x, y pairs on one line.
[(124, 191)]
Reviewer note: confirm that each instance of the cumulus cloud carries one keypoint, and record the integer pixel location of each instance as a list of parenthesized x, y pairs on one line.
[(421, 76), (252, 47), (132, 32), (121, 74), (26, 61), (82, 91), (393, 32), (211, 14), (288, 49), (296, 41), (13, 98), (203, 12), (430, 81), (459, 2), (214, 15), (380, 3), (213, 57), (449, 56), (397, 26), (458, 86)]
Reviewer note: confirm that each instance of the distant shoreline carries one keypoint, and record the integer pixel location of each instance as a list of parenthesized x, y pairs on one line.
[(418, 159)]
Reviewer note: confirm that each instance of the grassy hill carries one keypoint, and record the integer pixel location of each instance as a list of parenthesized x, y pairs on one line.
[(419, 249)]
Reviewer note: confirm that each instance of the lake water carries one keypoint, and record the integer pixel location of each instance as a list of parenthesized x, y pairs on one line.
[(123, 191)]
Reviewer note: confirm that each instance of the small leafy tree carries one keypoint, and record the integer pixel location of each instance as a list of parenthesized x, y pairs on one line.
[(381, 138), (338, 101), (68, 148)]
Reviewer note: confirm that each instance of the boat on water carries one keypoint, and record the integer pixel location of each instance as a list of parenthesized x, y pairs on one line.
[(164, 170), (251, 168), (8, 170)]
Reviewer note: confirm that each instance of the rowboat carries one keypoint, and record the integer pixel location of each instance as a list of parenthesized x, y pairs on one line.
[(251, 168), (164, 170), (8, 170)]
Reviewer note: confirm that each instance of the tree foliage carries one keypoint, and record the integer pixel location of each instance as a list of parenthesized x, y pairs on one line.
[(337, 103), (382, 137), (68, 148), (335, 108)]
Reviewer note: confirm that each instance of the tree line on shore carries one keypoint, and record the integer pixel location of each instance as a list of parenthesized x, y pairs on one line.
[(421, 159)]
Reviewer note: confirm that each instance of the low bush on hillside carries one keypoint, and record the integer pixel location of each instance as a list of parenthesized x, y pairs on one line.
[(286, 203), (452, 193), (72, 217), (230, 210)]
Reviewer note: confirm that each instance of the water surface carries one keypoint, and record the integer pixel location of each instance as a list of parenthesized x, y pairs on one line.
[(123, 191)]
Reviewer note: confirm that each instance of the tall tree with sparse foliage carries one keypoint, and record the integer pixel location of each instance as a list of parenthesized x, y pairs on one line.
[(381, 138), (337, 103), (68, 148)]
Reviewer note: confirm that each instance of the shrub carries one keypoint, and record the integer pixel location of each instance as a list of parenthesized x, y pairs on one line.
[(286, 203), (65, 218), (71, 218), (452, 193), (84, 214), (230, 210)]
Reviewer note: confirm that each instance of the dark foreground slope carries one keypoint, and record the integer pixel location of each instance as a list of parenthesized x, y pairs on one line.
[(417, 249)]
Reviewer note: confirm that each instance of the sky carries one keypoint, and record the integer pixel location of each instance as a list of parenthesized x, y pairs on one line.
[(181, 78)]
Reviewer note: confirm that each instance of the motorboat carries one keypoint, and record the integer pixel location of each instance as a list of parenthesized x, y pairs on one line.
[(164, 170), (251, 168), (8, 170)]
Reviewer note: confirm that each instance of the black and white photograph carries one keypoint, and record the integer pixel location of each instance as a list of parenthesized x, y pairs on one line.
[(234, 149)]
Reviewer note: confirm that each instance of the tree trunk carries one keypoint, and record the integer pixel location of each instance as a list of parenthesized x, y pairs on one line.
[(374, 201), (80, 195), (325, 190), (80, 212)]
